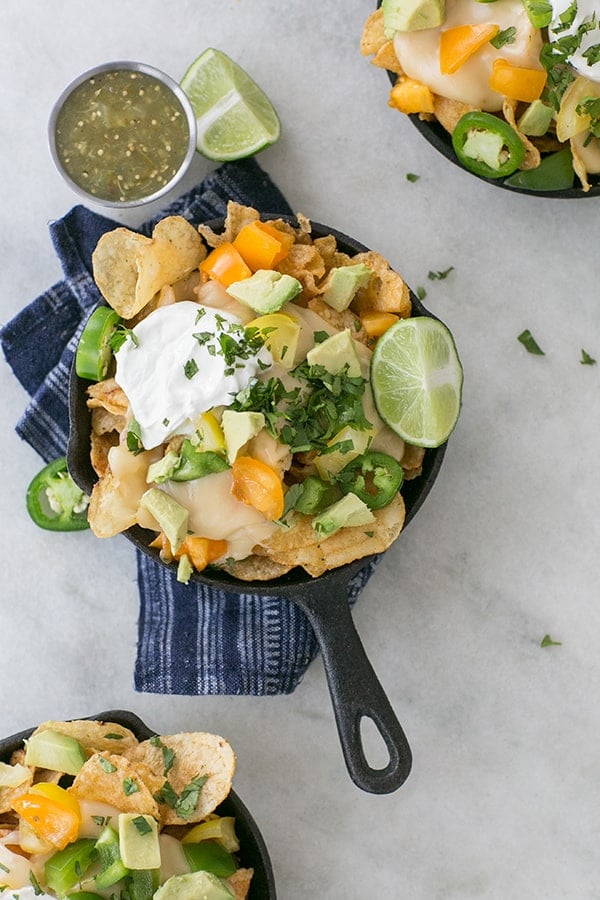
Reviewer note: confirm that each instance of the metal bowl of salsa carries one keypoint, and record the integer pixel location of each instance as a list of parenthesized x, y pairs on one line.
[(122, 134)]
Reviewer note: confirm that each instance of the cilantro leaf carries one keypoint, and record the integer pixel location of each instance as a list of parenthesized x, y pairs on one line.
[(530, 343)]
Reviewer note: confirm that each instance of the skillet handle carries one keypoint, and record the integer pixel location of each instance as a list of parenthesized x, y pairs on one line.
[(355, 690)]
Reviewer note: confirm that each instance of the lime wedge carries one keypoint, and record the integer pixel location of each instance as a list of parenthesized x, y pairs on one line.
[(417, 377), (235, 117)]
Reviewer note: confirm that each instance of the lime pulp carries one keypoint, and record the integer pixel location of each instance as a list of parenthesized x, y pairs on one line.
[(235, 118), (416, 378)]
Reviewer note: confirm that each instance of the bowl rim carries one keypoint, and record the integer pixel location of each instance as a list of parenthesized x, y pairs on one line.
[(133, 66), (247, 829)]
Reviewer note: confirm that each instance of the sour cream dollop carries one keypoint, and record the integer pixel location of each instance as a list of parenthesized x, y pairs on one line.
[(585, 14), (181, 363)]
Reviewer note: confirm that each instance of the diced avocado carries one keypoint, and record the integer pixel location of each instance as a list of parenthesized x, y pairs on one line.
[(239, 428), (184, 569), (194, 886), (484, 146), (266, 291), (209, 856), (343, 283), (335, 353), (163, 469), (536, 119), (52, 750), (171, 516), (138, 841), (350, 511), (412, 15), (345, 446)]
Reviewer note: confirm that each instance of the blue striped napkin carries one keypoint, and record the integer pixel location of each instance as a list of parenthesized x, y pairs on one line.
[(191, 639)]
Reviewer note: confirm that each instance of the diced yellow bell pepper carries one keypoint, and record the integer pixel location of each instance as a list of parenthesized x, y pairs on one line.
[(517, 82)]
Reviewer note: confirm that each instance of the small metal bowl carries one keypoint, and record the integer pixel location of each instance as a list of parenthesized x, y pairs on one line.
[(123, 156), (253, 852)]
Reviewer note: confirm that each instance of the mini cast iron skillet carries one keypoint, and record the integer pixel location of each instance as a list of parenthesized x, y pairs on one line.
[(355, 690), (253, 852)]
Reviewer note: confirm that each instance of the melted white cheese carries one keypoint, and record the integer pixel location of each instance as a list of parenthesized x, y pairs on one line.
[(170, 377), (215, 513), (419, 51)]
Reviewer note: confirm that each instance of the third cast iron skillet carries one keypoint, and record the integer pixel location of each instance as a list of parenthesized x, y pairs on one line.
[(355, 690)]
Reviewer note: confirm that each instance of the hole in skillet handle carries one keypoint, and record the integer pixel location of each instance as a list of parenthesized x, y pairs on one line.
[(436, 135), (253, 852), (354, 687)]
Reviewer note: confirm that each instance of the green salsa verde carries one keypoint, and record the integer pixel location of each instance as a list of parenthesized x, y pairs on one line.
[(122, 135)]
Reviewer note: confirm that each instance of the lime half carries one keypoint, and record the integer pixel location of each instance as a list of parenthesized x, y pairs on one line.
[(417, 377), (235, 117)]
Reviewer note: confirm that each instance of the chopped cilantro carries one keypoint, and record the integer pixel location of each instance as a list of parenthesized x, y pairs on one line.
[(439, 276), (421, 293), (142, 825), (548, 642), (35, 885), (113, 736), (4, 868), (320, 336), (586, 359), (167, 753), (190, 368), (130, 787), (106, 765), (188, 801), (530, 344), (120, 335), (410, 176), (134, 438), (507, 36), (184, 804), (590, 106)]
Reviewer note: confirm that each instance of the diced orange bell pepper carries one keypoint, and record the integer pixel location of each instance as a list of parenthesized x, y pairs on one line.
[(262, 247), (375, 323), (517, 82), (458, 44), (201, 551), (410, 96), (285, 239), (258, 485), (52, 812), (225, 265)]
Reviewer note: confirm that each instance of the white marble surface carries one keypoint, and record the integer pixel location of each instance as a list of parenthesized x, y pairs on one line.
[(504, 794)]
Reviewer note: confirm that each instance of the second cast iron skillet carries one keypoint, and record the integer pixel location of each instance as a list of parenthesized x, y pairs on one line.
[(355, 690)]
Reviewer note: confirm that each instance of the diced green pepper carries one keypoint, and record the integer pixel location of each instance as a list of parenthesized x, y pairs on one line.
[(142, 884), (54, 501), (112, 868), (209, 856), (64, 869), (554, 173), (316, 495)]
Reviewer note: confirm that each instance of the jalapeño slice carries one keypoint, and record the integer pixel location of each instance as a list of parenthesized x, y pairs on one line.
[(94, 352), (374, 477)]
